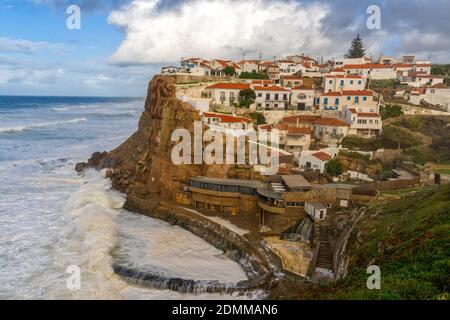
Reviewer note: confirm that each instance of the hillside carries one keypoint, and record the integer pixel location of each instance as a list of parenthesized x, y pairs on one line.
[(422, 138), (408, 236)]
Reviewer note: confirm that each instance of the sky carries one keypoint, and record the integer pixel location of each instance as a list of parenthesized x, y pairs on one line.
[(122, 43)]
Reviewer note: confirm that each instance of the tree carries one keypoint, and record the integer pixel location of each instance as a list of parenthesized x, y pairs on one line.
[(334, 167), (229, 71), (253, 75), (258, 117), (390, 111), (246, 97), (357, 49)]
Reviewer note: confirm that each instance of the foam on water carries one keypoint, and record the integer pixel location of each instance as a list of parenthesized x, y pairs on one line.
[(51, 218)]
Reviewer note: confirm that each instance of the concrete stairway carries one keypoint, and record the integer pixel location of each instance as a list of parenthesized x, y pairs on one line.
[(325, 256)]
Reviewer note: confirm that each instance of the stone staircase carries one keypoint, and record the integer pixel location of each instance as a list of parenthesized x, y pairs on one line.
[(325, 256)]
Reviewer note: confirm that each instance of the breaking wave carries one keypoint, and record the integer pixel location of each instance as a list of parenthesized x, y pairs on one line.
[(38, 125)]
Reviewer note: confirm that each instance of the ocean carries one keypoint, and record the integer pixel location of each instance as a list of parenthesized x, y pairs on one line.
[(51, 218)]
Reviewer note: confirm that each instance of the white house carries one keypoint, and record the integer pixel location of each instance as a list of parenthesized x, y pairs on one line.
[(343, 82), (225, 93), (250, 66), (339, 99), (330, 128), (373, 71), (423, 67), (219, 120), (364, 121), (271, 97), (316, 210), (438, 94), (302, 97), (291, 81), (313, 160), (340, 62)]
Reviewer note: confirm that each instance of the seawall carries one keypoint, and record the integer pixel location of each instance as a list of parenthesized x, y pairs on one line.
[(236, 247)]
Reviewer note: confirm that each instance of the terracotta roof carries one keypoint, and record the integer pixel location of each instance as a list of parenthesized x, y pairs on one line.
[(248, 61), (331, 122), (303, 87), (404, 65), (224, 63), (338, 70), (322, 156), (282, 126), (301, 130), (226, 118), (229, 86), (346, 76), (286, 61), (368, 115), (353, 110), (291, 77), (301, 119), (270, 88), (262, 82), (423, 65), (349, 93), (367, 66)]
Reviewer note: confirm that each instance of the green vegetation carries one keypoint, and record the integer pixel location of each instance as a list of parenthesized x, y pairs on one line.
[(253, 75), (355, 155), (357, 49), (334, 167), (408, 238), (390, 111), (358, 143), (246, 97), (258, 117), (229, 71), (442, 70), (384, 84)]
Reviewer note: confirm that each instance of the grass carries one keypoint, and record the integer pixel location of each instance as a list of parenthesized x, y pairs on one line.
[(415, 230)]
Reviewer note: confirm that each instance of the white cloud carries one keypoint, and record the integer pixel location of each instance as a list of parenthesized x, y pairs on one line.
[(217, 28)]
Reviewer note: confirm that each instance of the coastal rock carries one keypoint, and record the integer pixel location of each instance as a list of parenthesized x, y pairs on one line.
[(142, 164)]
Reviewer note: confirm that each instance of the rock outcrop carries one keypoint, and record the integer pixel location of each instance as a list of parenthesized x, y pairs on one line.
[(142, 165)]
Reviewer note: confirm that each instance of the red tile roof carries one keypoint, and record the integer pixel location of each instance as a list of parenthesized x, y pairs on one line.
[(270, 88), (303, 87), (353, 110), (322, 156), (226, 118), (350, 93), (302, 130), (262, 82), (301, 119), (291, 77), (229, 86), (368, 115), (333, 122), (367, 66)]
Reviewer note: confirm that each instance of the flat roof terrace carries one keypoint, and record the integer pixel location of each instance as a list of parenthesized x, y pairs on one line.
[(229, 182)]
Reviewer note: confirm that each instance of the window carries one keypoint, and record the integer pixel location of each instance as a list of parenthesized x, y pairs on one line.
[(325, 100), (351, 81), (342, 83), (330, 81), (359, 81), (336, 101), (276, 96), (356, 99), (267, 96), (260, 95), (285, 97), (349, 98), (364, 98)]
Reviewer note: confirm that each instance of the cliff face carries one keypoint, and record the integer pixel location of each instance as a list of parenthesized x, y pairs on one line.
[(142, 164)]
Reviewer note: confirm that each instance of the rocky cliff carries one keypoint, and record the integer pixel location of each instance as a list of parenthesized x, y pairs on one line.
[(142, 164)]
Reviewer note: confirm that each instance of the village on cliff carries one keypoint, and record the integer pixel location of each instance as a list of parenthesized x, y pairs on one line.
[(339, 148)]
